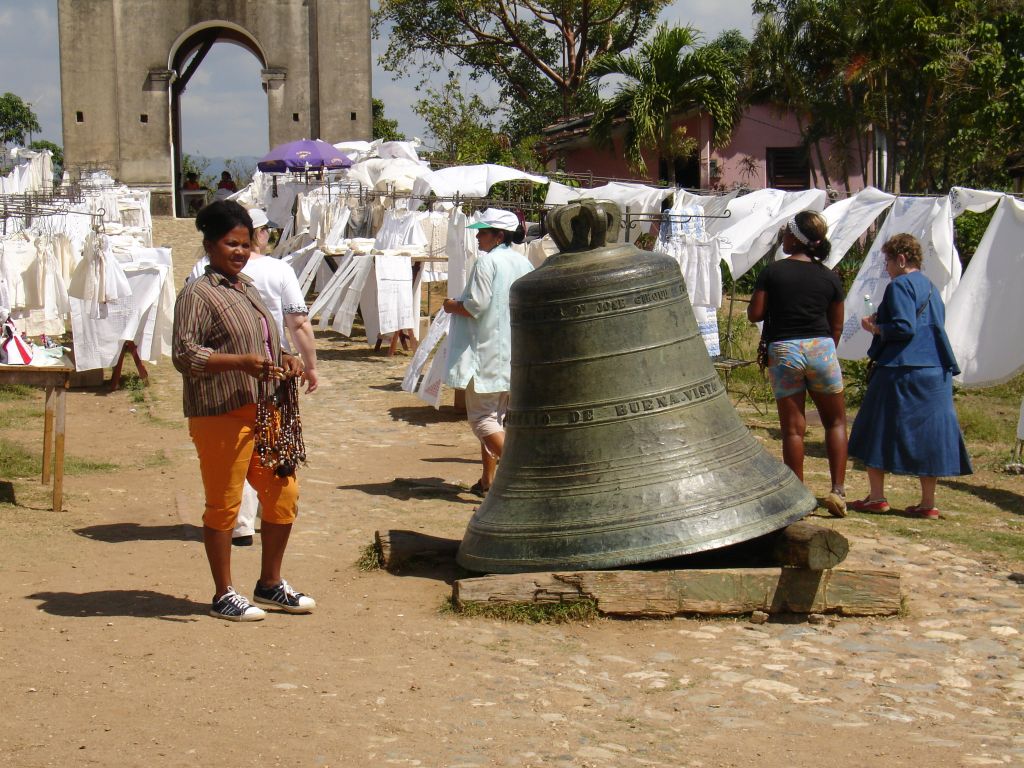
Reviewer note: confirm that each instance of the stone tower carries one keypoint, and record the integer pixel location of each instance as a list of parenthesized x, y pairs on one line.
[(124, 64)]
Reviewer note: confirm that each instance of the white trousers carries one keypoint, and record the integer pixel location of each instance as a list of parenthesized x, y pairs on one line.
[(245, 524)]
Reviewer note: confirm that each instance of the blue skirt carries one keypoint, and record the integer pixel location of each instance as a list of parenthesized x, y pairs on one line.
[(907, 424)]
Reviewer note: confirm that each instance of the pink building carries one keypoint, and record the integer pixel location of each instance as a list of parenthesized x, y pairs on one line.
[(765, 151)]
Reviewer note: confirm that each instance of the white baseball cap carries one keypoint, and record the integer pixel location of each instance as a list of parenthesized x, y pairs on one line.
[(496, 218), (259, 218)]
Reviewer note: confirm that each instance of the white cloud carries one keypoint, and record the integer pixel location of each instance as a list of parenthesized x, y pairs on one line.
[(6, 18)]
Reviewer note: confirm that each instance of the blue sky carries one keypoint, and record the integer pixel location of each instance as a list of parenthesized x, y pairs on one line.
[(227, 85)]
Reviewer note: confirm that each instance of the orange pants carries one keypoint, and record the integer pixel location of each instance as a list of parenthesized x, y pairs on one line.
[(227, 457)]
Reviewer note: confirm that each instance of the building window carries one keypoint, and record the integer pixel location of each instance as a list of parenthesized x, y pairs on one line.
[(143, 118), (79, 117), (353, 115), (788, 168), (295, 117)]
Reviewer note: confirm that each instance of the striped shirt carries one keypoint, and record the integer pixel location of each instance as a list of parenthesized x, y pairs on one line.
[(214, 314)]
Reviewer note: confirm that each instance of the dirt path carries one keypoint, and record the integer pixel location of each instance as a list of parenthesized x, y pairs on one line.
[(109, 659)]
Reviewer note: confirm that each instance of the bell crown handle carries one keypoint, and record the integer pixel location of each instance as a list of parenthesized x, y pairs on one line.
[(584, 225)]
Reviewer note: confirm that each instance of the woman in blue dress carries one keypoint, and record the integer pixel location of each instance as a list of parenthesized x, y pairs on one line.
[(907, 424)]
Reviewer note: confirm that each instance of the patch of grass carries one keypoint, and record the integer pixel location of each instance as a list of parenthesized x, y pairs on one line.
[(20, 463), (158, 459), (15, 392), (369, 558), (15, 417), (982, 423), (135, 386), (527, 613), (17, 462)]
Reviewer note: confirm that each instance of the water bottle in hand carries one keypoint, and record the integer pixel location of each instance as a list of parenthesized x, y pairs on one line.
[(869, 305)]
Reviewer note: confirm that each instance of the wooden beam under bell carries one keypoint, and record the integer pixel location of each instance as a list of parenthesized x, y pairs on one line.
[(712, 592)]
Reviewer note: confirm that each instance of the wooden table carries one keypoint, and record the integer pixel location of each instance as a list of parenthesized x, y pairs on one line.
[(55, 380)]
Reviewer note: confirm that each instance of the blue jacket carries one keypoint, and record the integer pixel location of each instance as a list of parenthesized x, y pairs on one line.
[(909, 339)]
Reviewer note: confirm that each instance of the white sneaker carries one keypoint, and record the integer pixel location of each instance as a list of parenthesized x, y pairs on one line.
[(234, 607), (284, 597)]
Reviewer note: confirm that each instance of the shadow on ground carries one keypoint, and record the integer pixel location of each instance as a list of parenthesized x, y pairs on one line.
[(7, 493), (422, 416), (115, 533), (406, 488), (142, 603), (1008, 501), (418, 554), (353, 353)]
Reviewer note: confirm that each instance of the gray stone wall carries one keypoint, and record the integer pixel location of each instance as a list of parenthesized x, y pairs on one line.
[(116, 86)]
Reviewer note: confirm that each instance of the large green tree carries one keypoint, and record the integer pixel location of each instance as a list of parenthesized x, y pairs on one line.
[(16, 119), (462, 130), (669, 76), (937, 83), (537, 51)]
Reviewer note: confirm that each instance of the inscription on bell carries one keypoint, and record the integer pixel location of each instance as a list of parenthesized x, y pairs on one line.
[(644, 299), (604, 412)]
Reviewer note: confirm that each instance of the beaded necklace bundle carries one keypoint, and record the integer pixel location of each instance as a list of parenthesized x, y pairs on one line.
[(279, 442)]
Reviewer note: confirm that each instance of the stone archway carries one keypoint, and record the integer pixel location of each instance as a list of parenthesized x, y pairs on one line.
[(120, 60), (186, 56)]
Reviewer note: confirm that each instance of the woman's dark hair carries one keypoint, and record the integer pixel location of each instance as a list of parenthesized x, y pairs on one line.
[(513, 237), (220, 217), (814, 227)]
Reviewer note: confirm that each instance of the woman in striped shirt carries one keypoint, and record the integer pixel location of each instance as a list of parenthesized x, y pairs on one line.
[(225, 343)]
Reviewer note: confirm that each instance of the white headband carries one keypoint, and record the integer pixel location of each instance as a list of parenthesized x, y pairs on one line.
[(795, 231)]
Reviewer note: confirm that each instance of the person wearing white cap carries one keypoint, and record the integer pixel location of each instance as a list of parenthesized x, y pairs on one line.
[(480, 338)]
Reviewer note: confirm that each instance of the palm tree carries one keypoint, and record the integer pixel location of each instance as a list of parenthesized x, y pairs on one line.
[(670, 75)]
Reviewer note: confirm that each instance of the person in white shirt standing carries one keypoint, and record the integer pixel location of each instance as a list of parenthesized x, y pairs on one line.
[(480, 338)]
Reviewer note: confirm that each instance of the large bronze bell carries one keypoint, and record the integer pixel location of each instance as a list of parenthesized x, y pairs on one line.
[(621, 445)]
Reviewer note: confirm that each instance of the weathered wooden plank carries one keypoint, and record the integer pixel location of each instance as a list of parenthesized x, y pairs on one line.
[(398, 547), (805, 545), (717, 592)]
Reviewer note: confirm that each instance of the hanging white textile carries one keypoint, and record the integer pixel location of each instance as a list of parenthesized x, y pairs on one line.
[(390, 294), (400, 228), (540, 250), (337, 303), (467, 180), (682, 235), (413, 380), (716, 208), (985, 316), (99, 278), (757, 224), (399, 150), (378, 173), (930, 220), (332, 241), (849, 219), (461, 250), (435, 232), (143, 317)]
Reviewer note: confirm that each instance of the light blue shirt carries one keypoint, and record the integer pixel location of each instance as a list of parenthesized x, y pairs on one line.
[(480, 347)]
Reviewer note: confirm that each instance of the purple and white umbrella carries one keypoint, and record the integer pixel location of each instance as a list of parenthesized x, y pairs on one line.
[(301, 155)]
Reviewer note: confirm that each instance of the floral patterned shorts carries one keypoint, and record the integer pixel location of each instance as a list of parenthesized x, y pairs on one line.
[(799, 365)]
